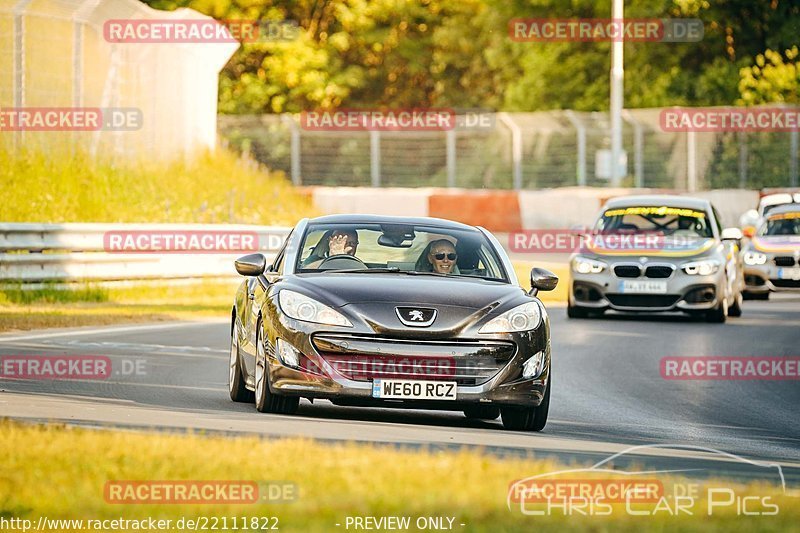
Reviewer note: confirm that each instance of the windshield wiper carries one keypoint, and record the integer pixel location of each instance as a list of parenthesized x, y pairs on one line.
[(362, 270)]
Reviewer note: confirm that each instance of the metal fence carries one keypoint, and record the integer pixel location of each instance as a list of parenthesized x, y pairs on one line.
[(520, 151), (31, 253), (53, 53)]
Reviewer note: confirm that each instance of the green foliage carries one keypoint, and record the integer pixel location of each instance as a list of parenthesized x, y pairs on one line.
[(457, 53), (771, 79)]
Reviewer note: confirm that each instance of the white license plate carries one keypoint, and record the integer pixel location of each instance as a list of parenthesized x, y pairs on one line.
[(404, 389), (643, 287), (789, 273)]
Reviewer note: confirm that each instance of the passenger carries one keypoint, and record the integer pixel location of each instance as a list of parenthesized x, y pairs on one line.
[(439, 256)]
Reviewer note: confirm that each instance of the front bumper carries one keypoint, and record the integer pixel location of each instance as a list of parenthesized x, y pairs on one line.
[(328, 374), (683, 292), (760, 279)]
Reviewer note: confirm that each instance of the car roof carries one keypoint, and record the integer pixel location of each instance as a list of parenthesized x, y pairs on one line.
[(669, 200), (784, 208), (385, 219)]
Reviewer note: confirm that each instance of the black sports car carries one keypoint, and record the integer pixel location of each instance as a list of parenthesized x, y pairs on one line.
[(392, 312)]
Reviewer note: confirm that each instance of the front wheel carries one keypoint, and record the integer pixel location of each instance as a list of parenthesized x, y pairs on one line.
[(577, 312), (719, 313), (266, 401), (528, 418), (236, 387)]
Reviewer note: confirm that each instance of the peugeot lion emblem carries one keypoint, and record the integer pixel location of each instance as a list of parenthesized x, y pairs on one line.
[(416, 316)]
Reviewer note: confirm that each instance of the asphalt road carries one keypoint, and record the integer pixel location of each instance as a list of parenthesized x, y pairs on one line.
[(608, 393)]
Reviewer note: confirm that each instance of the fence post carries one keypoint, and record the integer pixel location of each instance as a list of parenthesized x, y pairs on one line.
[(516, 148), (691, 162), (581, 133), (375, 157), (450, 138), (793, 146), (638, 147), (19, 61), (295, 147)]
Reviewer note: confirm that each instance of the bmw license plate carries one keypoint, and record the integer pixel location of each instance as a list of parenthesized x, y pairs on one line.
[(403, 389), (789, 273), (643, 287)]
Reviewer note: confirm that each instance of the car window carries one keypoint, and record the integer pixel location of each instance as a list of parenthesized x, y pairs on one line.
[(664, 220), (400, 247), (277, 264), (782, 224)]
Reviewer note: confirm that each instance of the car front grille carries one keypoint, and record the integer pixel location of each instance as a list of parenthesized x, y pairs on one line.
[(658, 271), (364, 358), (784, 261), (627, 271), (643, 300)]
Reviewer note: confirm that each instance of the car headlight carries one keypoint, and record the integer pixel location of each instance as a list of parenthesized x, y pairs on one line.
[(754, 258), (583, 265), (522, 318), (300, 307), (701, 268)]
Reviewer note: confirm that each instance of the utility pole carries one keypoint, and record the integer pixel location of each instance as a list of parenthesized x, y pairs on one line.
[(617, 74)]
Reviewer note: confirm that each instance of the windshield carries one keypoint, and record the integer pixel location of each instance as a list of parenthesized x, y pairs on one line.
[(782, 224), (662, 220), (400, 248)]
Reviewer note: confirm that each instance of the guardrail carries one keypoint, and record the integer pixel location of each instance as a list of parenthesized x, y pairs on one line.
[(31, 253)]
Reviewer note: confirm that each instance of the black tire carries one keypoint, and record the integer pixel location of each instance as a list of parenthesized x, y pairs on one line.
[(482, 412), (267, 401), (528, 418), (717, 315), (762, 296), (236, 386), (736, 309), (577, 312)]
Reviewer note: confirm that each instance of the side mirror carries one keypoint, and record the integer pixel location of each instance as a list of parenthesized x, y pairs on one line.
[(542, 280), (732, 234), (251, 265)]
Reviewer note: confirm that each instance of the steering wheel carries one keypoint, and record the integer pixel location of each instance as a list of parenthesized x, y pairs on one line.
[(342, 261)]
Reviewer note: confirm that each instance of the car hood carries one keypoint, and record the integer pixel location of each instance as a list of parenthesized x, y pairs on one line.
[(402, 289), (776, 243), (663, 247)]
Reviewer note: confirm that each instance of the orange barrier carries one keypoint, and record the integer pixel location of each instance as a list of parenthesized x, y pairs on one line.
[(494, 210)]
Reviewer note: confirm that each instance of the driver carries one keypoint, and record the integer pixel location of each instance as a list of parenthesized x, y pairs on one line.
[(340, 242)]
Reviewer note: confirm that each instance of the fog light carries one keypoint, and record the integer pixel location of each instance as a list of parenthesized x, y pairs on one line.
[(533, 366), (288, 354)]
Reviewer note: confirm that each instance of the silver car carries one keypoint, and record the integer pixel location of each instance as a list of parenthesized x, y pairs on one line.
[(772, 257), (658, 253)]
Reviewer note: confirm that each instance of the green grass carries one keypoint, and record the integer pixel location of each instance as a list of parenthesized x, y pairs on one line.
[(61, 186), (60, 472)]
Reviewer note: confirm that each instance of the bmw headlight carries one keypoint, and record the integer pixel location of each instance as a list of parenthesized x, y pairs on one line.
[(522, 318), (754, 258), (583, 265), (300, 307), (701, 268)]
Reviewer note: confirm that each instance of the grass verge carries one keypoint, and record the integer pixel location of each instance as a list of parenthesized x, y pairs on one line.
[(213, 188), (60, 473)]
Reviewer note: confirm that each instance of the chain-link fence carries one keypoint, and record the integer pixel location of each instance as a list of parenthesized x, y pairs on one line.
[(520, 151), (54, 54)]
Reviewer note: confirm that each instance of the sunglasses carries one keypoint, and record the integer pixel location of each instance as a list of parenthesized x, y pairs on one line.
[(442, 255)]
